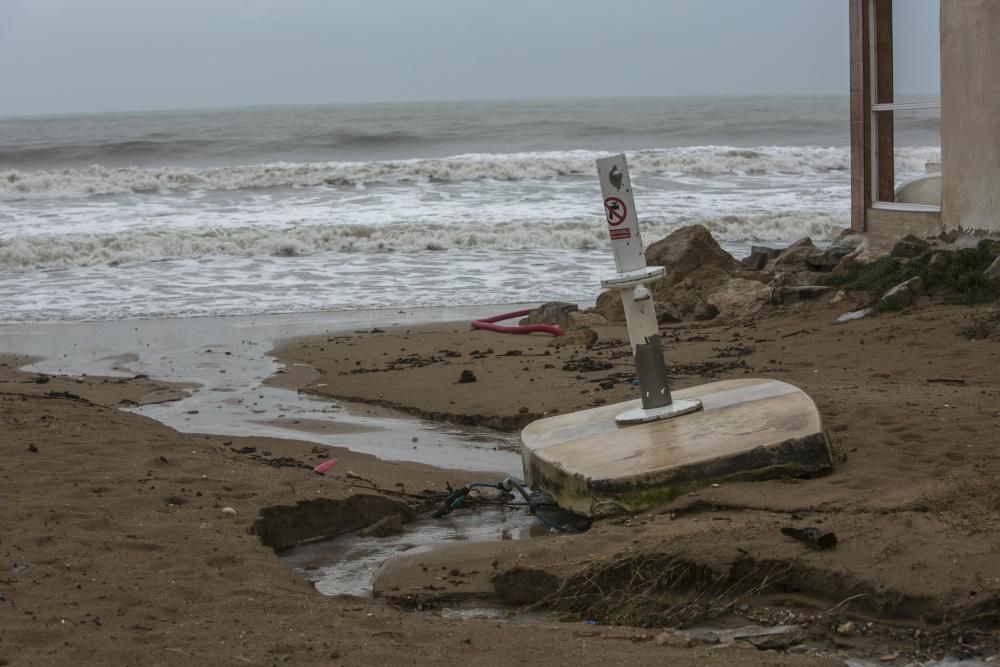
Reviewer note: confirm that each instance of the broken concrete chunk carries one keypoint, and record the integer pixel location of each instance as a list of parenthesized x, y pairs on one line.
[(585, 337), (586, 320), (554, 313)]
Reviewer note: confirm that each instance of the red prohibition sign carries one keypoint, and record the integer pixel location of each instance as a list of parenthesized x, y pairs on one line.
[(616, 211)]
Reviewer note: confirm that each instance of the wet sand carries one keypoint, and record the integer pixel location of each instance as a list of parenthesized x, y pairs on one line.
[(912, 407), (120, 552), (127, 542)]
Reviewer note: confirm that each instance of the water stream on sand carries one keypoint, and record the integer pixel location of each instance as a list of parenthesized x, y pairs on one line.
[(226, 359), (347, 565)]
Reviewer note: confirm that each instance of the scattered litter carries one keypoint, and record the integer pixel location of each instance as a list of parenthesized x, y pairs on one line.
[(761, 637), (228, 511), (946, 380), (854, 315), (324, 466)]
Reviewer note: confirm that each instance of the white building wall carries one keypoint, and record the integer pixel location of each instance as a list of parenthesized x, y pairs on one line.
[(970, 113)]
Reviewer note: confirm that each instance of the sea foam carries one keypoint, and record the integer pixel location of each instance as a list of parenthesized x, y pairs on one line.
[(132, 246), (696, 160)]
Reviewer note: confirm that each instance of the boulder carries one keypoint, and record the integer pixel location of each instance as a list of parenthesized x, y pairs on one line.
[(554, 313), (796, 257), (705, 311), (688, 249), (902, 295), (585, 337), (586, 320), (609, 306), (992, 272), (846, 244), (910, 246), (759, 257), (989, 247), (739, 298), (696, 269), (938, 261)]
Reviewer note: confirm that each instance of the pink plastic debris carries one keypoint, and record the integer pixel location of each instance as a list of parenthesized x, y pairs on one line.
[(324, 466)]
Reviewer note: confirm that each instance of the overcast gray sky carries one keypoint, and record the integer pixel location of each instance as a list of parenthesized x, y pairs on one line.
[(61, 56)]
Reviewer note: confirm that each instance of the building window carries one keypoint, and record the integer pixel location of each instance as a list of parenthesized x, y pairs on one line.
[(904, 38)]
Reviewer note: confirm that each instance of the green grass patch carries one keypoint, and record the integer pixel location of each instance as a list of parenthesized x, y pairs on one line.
[(956, 275)]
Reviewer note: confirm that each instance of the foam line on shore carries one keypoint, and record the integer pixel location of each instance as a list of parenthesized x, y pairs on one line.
[(85, 249), (720, 160)]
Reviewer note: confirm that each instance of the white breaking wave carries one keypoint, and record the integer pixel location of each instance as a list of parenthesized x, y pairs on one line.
[(140, 246), (710, 160)]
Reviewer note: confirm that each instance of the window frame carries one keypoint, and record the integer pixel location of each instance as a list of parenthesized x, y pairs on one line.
[(875, 108)]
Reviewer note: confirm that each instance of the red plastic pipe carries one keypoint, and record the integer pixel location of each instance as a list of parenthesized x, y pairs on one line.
[(489, 324)]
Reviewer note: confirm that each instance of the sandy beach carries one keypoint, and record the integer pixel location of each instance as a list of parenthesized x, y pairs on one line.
[(912, 498), (129, 542), (261, 399)]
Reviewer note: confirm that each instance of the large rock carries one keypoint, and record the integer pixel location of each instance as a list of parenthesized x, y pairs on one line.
[(696, 269), (909, 247), (759, 257), (739, 298), (989, 247), (688, 249), (847, 244), (800, 256), (554, 313), (902, 295)]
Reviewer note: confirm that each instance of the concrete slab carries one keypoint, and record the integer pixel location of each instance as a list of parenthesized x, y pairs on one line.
[(748, 429)]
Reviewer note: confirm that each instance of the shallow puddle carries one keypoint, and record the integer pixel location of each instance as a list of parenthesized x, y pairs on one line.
[(226, 358), (346, 565)]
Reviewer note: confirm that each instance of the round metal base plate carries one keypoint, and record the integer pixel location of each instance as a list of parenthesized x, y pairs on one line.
[(681, 406), (643, 276)]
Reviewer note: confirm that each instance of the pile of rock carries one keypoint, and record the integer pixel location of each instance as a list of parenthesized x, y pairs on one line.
[(704, 282), (701, 282)]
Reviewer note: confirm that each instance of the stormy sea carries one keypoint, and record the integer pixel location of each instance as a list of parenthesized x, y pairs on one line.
[(315, 208)]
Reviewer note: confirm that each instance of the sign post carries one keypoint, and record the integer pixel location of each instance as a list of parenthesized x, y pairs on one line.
[(631, 281)]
